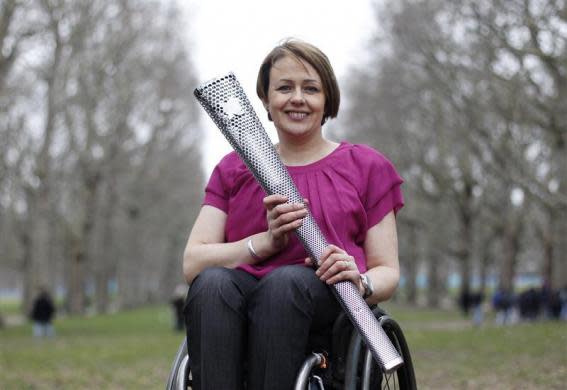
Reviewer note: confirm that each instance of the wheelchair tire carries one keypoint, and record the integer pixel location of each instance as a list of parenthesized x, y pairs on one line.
[(179, 376), (404, 377), (363, 373)]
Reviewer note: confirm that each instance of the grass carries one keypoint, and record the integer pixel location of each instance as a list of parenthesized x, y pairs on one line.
[(130, 350), (10, 307), (449, 353), (135, 349)]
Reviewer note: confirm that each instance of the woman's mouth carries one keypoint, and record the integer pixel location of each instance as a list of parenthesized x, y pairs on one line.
[(296, 115)]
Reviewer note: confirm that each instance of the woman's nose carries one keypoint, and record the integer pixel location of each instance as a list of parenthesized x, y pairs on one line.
[(297, 96)]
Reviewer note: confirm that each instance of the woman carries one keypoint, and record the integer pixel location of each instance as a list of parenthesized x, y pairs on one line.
[(254, 297)]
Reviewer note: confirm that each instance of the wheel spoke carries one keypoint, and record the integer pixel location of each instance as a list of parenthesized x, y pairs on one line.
[(389, 381)]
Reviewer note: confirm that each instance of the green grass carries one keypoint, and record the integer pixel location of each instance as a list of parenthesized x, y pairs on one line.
[(134, 350), (525, 356), (449, 353), (130, 350), (10, 307)]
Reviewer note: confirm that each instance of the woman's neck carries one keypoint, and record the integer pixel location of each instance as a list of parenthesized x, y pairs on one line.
[(303, 152)]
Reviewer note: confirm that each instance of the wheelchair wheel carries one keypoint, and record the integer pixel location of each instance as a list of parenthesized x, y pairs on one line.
[(363, 373), (180, 374), (404, 377)]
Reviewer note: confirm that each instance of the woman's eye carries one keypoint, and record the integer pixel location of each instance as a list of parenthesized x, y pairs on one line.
[(283, 88), (312, 89)]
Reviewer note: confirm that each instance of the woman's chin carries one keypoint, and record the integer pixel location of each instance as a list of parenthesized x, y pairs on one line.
[(297, 131)]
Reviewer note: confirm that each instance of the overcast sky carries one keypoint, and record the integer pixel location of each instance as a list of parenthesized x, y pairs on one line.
[(236, 36)]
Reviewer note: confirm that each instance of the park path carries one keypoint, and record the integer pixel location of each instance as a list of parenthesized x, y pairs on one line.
[(13, 319)]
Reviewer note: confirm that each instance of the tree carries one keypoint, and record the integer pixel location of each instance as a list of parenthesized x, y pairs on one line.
[(454, 97), (99, 190)]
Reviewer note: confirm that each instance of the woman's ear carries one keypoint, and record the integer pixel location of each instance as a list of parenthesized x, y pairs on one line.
[(267, 107)]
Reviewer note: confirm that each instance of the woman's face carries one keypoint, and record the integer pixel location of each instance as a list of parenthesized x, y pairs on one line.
[(296, 100)]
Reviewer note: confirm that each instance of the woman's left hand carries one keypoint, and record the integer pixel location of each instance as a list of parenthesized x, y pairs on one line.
[(337, 265)]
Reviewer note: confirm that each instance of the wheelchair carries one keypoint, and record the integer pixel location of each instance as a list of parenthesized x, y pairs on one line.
[(349, 365)]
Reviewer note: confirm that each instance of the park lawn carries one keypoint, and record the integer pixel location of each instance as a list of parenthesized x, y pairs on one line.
[(449, 353), (134, 349), (9, 307), (129, 350)]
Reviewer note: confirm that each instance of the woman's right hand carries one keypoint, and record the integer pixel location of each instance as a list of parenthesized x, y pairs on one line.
[(283, 218)]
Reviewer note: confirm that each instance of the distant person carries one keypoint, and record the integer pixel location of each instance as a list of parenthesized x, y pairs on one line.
[(42, 314), (465, 301), (178, 302), (502, 303), (475, 300), (563, 303), (554, 305), (529, 304), (546, 300)]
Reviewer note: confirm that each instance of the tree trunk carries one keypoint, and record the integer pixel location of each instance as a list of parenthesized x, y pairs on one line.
[(433, 281), (76, 281), (548, 249), (411, 266), (41, 239), (559, 271), (27, 268), (511, 248), (80, 254), (483, 269), (105, 269), (172, 275), (130, 280), (102, 299), (465, 252)]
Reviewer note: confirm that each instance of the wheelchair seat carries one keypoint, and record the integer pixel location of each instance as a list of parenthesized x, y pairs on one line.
[(349, 365)]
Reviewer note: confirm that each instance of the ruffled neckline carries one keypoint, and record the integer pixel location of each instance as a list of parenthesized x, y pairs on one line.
[(319, 164)]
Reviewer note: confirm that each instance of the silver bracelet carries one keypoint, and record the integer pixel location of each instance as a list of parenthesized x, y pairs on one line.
[(251, 250), (367, 284)]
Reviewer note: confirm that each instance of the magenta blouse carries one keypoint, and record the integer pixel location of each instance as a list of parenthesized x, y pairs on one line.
[(349, 191)]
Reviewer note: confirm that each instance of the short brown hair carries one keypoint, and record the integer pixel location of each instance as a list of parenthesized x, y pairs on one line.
[(314, 57)]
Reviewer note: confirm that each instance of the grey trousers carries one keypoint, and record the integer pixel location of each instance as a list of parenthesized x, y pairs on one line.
[(241, 330)]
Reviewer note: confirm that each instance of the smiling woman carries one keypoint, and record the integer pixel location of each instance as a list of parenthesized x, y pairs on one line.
[(295, 100), (253, 290), (317, 70), (298, 88)]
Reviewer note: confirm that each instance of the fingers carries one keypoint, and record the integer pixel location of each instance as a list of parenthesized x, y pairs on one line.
[(271, 201), (330, 254), (286, 213), (279, 228), (337, 265), (351, 274), (283, 217), (278, 204)]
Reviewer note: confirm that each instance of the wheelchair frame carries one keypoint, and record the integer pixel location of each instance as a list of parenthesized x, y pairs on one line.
[(355, 370)]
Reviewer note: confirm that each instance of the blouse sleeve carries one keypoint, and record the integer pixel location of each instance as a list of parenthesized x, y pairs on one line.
[(216, 193), (383, 192)]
